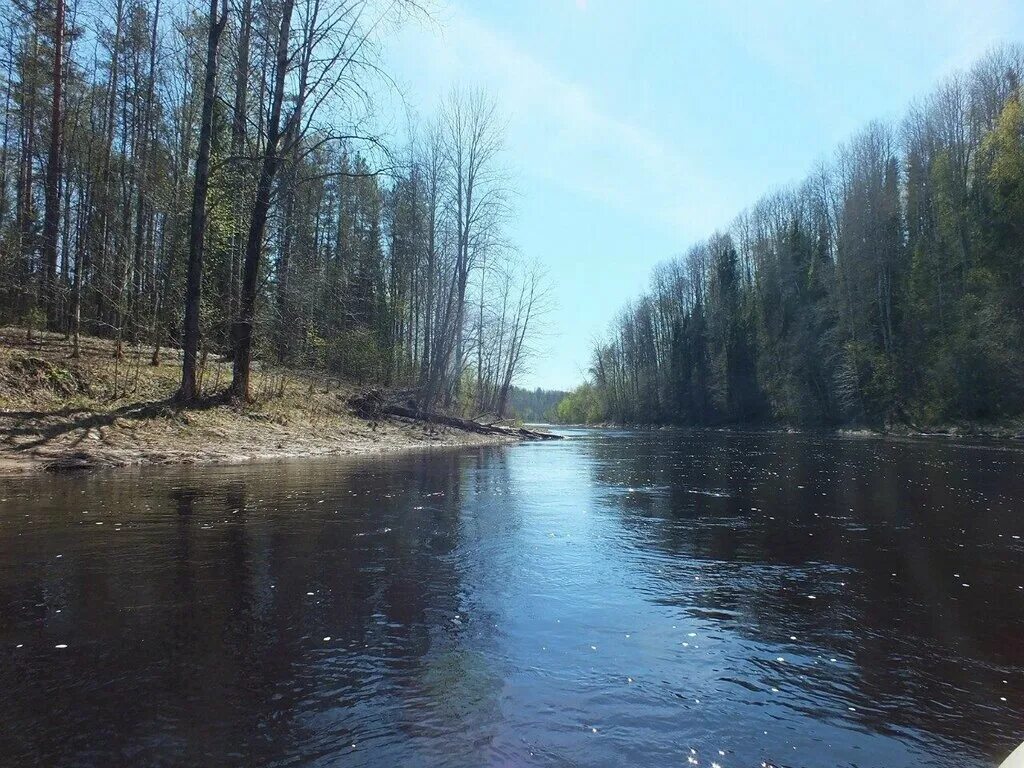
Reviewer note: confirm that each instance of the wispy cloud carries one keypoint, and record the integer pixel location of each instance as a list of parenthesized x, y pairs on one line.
[(559, 130), (789, 37)]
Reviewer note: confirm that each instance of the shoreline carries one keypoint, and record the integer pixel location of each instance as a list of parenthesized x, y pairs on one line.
[(105, 410), (1010, 433), (89, 440), (68, 459), (188, 438)]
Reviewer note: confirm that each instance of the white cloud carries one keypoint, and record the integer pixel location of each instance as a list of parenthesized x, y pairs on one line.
[(560, 131)]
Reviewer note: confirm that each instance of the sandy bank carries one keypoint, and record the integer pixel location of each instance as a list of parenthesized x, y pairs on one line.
[(100, 410)]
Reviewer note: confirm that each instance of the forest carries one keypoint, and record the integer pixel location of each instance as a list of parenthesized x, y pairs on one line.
[(885, 288), (535, 405), (211, 180)]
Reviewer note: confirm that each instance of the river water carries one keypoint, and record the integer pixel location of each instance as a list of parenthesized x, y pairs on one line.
[(616, 598)]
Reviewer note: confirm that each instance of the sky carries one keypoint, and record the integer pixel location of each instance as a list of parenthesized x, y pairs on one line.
[(638, 127)]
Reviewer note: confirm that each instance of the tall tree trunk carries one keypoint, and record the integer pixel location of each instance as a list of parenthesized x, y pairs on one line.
[(243, 328), (106, 193), (428, 313), (51, 220), (81, 264), (141, 202), (26, 213), (197, 228), (238, 132)]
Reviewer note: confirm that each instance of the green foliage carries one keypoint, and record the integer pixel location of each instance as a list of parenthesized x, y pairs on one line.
[(1006, 143), (581, 406), (887, 287), (534, 405), (314, 350), (867, 382), (35, 320)]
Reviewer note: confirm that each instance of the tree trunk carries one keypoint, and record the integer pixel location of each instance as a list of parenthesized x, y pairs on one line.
[(238, 132), (243, 328), (197, 231), (51, 220), (139, 281)]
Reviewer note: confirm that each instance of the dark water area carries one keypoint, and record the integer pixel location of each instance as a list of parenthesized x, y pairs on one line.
[(617, 598)]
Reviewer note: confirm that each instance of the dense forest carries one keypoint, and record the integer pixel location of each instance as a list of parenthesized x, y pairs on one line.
[(887, 287), (535, 405), (210, 179)]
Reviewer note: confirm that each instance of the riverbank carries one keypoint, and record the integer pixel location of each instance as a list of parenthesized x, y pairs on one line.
[(1009, 430), (103, 410)]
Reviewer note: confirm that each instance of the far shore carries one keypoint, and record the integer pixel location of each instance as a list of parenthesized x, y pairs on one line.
[(1011, 431)]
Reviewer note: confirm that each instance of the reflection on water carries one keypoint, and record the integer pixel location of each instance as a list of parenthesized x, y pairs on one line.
[(616, 598)]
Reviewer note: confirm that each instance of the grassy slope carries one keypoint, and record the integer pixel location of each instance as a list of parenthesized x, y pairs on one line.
[(101, 410)]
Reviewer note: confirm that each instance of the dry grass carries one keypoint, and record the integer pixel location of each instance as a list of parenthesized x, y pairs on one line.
[(102, 410)]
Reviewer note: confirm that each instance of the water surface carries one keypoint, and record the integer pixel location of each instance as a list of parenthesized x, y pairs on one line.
[(618, 598)]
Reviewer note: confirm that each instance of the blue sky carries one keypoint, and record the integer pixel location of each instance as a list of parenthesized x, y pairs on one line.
[(637, 127)]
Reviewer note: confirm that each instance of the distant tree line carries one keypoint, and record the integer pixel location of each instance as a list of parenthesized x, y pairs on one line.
[(208, 177), (886, 287), (535, 405)]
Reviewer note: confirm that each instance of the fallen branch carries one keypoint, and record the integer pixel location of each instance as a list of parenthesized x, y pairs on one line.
[(375, 404)]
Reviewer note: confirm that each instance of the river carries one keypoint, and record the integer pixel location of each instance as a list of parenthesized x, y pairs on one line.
[(616, 598)]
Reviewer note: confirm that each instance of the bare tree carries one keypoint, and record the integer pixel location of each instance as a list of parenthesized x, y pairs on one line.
[(477, 197)]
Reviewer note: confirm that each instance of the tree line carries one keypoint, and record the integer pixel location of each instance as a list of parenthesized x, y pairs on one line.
[(209, 178), (535, 405), (886, 287)]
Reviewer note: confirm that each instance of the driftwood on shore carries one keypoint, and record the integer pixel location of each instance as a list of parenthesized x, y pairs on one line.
[(376, 403)]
